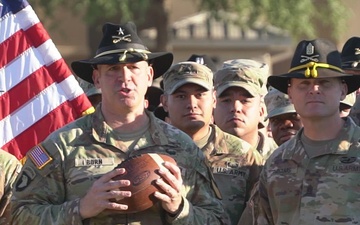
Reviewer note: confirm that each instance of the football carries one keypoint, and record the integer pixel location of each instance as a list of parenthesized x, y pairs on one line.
[(142, 171)]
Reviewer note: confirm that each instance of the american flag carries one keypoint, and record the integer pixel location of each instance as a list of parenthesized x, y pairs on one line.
[(38, 93)]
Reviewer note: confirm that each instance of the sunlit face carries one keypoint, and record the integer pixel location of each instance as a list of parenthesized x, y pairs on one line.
[(317, 98), (237, 112), (123, 86), (284, 126), (190, 107)]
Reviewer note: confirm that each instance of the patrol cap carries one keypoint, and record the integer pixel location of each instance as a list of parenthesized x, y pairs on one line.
[(245, 73), (349, 100), (187, 72), (277, 103)]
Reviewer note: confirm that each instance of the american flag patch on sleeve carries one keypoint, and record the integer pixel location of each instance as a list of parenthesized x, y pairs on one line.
[(39, 156)]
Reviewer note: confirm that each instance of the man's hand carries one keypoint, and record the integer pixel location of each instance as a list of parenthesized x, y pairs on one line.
[(97, 199), (171, 183)]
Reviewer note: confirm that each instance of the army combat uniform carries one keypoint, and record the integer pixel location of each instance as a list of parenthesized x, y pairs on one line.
[(236, 166), (266, 145), (323, 188), (9, 170), (62, 168)]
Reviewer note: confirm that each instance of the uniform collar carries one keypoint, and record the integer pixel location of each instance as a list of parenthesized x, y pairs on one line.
[(102, 132), (293, 149)]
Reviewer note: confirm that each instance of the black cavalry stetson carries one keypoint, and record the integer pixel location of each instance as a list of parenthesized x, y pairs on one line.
[(121, 44), (204, 60), (317, 58), (350, 54)]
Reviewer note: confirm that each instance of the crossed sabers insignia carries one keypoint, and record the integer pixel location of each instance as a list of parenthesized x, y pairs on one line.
[(118, 38), (121, 38), (305, 58), (357, 51)]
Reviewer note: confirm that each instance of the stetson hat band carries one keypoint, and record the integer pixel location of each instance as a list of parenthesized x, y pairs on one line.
[(311, 68), (142, 52)]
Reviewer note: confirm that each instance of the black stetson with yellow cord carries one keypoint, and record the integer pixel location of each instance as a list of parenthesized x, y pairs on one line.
[(121, 44), (317, 58)]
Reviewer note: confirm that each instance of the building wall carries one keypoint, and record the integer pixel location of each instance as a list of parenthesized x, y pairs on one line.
[(71, 37)]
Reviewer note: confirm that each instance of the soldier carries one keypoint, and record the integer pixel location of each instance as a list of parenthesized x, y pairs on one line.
[(301, 180), (283, 119), (9, 169), (68, 177), (350, 63), (189, 99), (239, 107), (347, 104)]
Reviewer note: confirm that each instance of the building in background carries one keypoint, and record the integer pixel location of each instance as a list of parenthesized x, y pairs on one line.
[(196, 33)]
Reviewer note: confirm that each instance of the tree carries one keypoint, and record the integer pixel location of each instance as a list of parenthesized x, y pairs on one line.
[(301, 18)]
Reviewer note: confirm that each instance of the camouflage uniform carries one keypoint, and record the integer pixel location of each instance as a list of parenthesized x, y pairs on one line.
[(250, 75), (266, 145), (86, 149), (10, 168), (236, 166), (296, 189)]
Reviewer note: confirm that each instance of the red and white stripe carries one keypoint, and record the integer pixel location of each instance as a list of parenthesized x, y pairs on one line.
[(40, 94)]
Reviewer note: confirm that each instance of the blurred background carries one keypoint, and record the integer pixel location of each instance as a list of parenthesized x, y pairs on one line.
[(266, 30)]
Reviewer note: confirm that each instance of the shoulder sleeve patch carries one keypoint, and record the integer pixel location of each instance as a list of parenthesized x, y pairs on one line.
[(39, 156)]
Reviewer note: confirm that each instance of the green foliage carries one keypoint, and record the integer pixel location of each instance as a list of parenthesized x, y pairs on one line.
[(94, 10), (336, 15), (298, 17)]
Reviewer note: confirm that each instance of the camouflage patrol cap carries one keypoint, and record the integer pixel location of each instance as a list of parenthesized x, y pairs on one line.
[(246, 73), (278, 103), (187, 72), (349, 100)]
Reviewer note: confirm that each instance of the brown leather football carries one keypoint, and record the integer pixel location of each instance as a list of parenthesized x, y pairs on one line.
[(142, 171)]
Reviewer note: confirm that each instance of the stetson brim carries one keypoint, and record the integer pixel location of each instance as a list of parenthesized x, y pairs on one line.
[(161, 62), (281, 82), (350, 65)]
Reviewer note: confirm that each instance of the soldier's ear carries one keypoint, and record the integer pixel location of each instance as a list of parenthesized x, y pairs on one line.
[(95, 77), (164, 101)]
